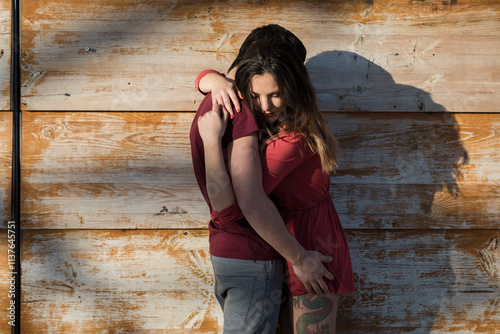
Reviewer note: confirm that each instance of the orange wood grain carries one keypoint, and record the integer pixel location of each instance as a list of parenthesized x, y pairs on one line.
[(138, 56), (114, 225), (109, 170), (417, 170), (423, 281), (161, 281), (118, 281), (133, 170)]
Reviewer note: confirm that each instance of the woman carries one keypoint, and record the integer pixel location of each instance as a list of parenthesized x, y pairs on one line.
[(298, 153), (222, 87)]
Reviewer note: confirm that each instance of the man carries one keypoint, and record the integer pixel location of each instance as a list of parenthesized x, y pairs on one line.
[(249, 239)]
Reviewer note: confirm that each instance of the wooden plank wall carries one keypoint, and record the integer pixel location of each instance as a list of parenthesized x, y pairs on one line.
[(5, 162), (114, 227)]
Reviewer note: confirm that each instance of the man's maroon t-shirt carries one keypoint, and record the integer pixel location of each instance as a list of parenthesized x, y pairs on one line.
[(231, 236)]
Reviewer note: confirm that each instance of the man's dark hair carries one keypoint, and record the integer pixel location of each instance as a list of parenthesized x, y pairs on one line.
[(271, 31)]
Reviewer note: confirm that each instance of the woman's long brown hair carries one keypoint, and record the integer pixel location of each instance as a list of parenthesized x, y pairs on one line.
[(301, 114)]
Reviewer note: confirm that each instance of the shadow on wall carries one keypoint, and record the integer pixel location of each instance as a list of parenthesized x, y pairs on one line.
[(399, 152)]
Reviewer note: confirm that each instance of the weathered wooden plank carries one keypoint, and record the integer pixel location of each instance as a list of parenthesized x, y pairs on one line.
[(423, 282), (380, 206), (420, 171), (5, 165), (110, 170), (133, 170), (118, 281), (417, 148), (5, 37), (161, 281), (87, 55), (401, 73)]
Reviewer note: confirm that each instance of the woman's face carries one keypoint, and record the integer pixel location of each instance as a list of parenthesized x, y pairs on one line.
[(266, 96)]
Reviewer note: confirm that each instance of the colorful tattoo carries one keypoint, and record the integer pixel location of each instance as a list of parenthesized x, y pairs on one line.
[(322, 307)]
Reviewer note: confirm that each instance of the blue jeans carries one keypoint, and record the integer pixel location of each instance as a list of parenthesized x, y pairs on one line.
[(249, 293)]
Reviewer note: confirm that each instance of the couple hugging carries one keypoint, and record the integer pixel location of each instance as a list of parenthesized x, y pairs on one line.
[(262, 154)]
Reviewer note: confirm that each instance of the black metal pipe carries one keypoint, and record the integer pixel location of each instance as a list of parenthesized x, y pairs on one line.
[(14, 234)]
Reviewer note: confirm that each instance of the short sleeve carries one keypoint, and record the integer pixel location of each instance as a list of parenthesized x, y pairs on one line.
[(201, 75), (281, 157), (241, 125)]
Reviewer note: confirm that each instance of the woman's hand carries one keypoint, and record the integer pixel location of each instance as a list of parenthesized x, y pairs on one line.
[(212, 125), (223, 90)]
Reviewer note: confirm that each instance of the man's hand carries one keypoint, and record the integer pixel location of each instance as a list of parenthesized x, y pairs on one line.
[(212, 125), (310, 270)]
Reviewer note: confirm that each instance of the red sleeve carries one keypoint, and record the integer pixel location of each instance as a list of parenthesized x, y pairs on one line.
[(243, 124), (281, 157), (201, 75)]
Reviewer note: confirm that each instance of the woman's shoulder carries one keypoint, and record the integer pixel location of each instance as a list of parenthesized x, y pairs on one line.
[(288, 137), (288, 140)]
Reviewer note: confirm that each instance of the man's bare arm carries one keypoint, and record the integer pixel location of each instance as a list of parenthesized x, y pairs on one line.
[(211, 127), (261, 213)]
